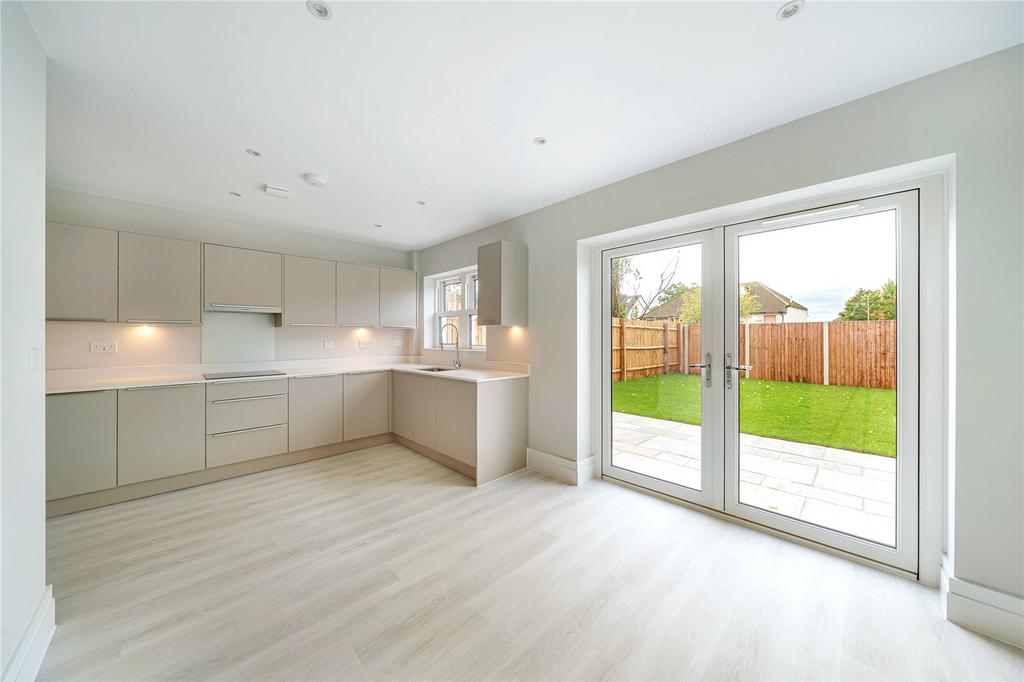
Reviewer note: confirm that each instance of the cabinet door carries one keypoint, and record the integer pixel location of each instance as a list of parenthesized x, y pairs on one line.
[(424, 415), (309, 292), (402, 404), (81, 273), (160, 432), (456, 420), (241, 280), (366, 404), (314, 411), (397, 298), (358, 295), (158, 279), (81, 443)]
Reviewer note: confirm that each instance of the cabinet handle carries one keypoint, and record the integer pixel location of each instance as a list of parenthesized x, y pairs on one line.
[(149, 388), (242, 306), (244, 380), (316, 376), (310, 324), (164, 321), (258, 428), (238, 400), (79, 319)]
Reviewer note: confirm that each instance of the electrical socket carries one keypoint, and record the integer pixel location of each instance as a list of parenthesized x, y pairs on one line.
[(398, 343), (103, 347), (366, 343)]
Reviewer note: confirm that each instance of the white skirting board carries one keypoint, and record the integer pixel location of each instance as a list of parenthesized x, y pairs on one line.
[(574, 472), (982, 609), (28, 654)]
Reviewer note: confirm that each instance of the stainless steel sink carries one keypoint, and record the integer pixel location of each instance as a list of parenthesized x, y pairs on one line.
[(438, 369)]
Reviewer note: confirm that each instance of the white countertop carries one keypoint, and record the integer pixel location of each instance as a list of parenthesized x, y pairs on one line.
[(79, 380)]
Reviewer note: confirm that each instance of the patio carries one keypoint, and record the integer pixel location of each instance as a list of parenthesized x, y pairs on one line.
[(852, 492)]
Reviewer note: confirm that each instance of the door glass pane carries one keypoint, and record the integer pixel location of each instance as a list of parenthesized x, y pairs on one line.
[(817, 406), (656, 334)]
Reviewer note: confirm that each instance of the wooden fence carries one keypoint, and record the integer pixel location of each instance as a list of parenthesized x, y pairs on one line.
[(838, 353)]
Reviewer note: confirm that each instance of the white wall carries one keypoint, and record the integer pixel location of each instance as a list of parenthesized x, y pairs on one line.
[(26, 615), (974, 111)]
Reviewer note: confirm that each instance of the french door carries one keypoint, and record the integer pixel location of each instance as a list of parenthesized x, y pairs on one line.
[(768, 370)]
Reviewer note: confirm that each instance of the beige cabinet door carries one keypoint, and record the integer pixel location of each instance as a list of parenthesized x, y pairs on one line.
[(158, 279), (358, 295), (309, 292), (314, 411), (366, 404), (424, 413), (456, 420), (81, 443), (160, 432), (502, 269), (402, 404), (81, 273), (397, 298), (241, 280)]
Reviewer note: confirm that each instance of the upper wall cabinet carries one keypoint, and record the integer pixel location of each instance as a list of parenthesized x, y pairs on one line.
[(241, 280), (81, 273), (159, 279), (359, 302), (397, 298), (502, 297), (309, 292)]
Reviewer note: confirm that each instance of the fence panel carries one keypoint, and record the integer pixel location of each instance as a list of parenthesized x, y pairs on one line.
[(859, 353)]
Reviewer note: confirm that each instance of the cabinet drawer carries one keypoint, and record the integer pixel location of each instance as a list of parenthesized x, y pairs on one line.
[(240, 446), (226, 390), (246, 413)]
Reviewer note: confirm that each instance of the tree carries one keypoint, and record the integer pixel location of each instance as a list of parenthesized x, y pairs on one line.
[(625, 284), (623, 275), (690, 305), (871, 304), (674, 291)]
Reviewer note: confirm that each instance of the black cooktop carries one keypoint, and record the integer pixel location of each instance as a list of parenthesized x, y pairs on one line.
[(242, 375)]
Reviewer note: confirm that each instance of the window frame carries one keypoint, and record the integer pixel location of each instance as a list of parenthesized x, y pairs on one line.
[(464, 316)]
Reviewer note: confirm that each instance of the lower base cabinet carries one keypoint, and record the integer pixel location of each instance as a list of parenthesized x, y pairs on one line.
[(81, 443), (241, 446), (160, 432), (367, 399), (314, 411)]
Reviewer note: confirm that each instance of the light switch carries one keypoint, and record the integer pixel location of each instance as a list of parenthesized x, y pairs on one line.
[(328, 344), (366, 343)]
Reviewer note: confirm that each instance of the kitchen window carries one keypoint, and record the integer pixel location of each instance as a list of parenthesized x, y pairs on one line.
[(455, 320)]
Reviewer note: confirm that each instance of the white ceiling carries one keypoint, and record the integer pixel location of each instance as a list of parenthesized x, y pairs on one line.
[(395, 102)]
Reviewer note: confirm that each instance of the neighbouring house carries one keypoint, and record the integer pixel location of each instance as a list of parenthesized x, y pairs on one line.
[(769, 306), (632, 304)]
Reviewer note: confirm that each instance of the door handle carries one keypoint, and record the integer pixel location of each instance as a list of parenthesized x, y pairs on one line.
[(706, 365), (730, 368)]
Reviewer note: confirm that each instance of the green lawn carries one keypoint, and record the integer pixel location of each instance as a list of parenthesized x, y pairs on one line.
[(852, 418)]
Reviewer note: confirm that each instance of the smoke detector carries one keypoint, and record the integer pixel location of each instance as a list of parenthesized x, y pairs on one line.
[(315, 180), (275, 191), (319, 9)]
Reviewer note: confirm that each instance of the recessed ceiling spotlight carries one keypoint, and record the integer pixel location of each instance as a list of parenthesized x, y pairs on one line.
[(421, 202), (540, 141), (377, 225), (315, 180), (319, 9), (253, 153), (234, 194), (789, 10)]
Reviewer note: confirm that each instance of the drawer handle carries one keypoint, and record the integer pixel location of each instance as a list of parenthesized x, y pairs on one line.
[(164, 321), (258, 428), (255, 397), (244, 380), (316, 376)]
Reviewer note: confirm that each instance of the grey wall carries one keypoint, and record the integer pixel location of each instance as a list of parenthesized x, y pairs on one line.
[(973, 110), (22, 406)]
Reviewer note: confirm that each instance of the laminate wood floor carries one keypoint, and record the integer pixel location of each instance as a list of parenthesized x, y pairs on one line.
[(381, 564)]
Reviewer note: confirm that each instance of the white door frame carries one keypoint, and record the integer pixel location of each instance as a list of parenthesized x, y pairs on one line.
[(710, 494), (905, 554)]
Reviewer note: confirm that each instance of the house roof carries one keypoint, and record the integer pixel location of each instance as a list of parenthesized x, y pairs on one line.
[(767, 301)]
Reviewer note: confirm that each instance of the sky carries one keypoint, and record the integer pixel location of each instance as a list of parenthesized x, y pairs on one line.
[(819, 265)]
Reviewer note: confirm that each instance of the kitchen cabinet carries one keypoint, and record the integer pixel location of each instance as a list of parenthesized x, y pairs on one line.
[(241, 280), (158, 279), (315, 411), (81, 273), (397, 298), (402, 404), (502, 297), (366, 404), (310, 292), (424, 410), (358, 295), (246, 419), (160, 432), (456, 420), (81, 443)]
